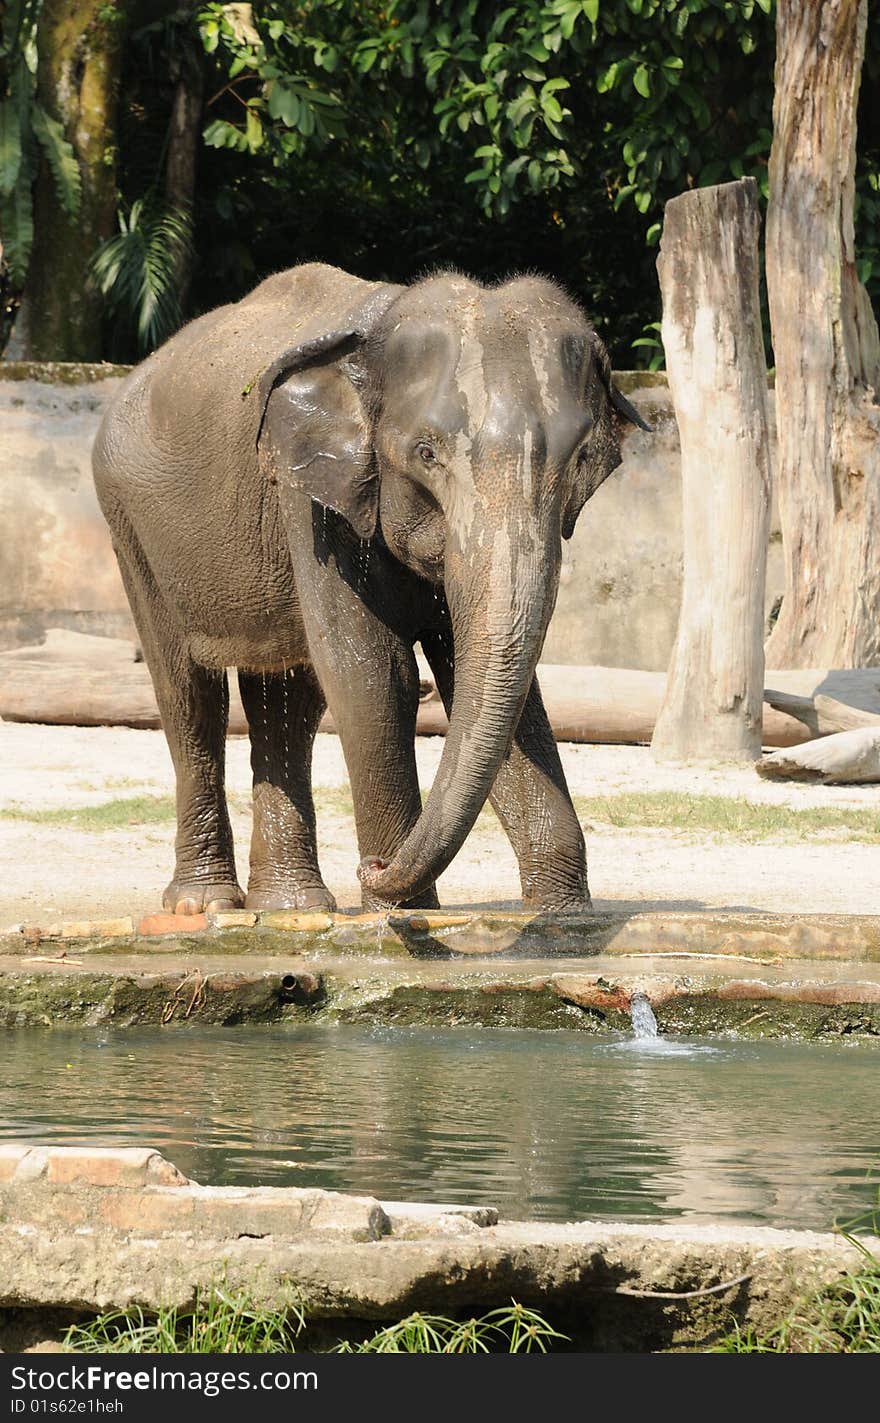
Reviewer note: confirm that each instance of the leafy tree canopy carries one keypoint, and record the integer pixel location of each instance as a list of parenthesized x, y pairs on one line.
[(392, 137)]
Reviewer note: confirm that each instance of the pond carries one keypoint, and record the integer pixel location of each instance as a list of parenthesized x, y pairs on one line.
[(549, 1125)]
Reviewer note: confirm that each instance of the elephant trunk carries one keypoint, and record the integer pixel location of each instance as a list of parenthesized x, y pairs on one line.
[(501, 590)]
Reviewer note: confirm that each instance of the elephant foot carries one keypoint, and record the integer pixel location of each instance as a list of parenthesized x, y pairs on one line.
[(557, 903), (202, 896), (311, 899)]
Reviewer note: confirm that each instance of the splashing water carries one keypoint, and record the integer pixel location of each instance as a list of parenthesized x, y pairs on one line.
[(643, 1020), (646, 1039)]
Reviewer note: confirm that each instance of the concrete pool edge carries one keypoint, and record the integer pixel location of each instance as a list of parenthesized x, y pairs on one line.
[(691, 994), (477, 933), (86, 1230)]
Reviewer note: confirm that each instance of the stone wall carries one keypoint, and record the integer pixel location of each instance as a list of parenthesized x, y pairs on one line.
[(621, 574)]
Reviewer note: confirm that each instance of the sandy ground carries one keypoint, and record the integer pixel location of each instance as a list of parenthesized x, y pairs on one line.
[(50, 872)]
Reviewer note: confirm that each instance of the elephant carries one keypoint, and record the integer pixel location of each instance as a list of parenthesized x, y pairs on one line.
[(305, 484)]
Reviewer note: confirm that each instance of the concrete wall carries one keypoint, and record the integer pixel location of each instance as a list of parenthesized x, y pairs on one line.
[(621, 574), (57, 567)]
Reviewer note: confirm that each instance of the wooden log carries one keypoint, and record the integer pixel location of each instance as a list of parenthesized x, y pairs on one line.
[(75, 680), (849, 758), (823, 716), (708, 268)]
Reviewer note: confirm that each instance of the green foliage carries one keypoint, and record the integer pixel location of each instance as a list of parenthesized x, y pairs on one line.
[(429, 122), (136, 271), (842, 1318), (652, 343), (222, 1322), (276, 89), (61, 159), (512, 1329), (229, 1322), (25, 128), (654, 89), (389, 136)]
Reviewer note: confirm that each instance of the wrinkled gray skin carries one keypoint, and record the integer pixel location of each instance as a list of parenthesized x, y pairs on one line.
[(304, 484)]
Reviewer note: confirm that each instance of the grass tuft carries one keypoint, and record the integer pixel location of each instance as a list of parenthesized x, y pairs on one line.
[(702, 815), (510, 1330), (728, 815), (109, 815), (841, 1318), (223, 1322)]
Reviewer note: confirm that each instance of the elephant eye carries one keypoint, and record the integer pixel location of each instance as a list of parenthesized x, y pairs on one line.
[(426, 453)]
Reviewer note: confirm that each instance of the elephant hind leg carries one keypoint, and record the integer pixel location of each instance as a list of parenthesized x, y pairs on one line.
[(194, 706), (283, 712)]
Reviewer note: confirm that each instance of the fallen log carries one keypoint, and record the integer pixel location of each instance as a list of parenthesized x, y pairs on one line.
[(75, 680), (846, 758), (824, 716)]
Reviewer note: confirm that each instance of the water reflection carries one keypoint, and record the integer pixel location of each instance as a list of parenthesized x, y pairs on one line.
[(552, 1125)]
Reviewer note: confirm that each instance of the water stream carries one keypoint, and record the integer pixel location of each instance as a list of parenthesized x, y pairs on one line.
[(642, 1014)]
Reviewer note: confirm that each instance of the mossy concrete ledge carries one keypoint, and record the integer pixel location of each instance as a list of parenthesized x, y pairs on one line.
[(88, 1231), (691, 995), (853, 938)]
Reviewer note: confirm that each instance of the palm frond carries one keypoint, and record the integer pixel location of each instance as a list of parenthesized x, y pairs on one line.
[(10, 146), (137, 271), (61, 159), (17, 229)]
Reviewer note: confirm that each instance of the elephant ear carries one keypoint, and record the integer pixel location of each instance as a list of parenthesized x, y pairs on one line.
[(617, 397), (314, 433), (604, 449)]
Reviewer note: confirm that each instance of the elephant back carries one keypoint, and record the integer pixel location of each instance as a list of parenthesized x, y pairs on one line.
[(205, 381)]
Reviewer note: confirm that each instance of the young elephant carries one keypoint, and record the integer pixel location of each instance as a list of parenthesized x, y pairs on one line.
[(304, 484)]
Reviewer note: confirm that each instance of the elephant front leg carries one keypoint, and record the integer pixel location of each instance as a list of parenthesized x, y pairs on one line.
[(373, 699), (376, 721), (283, 712), (531, 799)]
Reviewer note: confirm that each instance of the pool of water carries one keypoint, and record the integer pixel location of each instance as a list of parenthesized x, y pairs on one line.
[(548, 1125)]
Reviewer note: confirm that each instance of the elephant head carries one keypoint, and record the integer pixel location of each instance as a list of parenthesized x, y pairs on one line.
[(469, 424)]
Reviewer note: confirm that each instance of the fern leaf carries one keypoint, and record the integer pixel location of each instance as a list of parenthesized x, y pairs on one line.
[(10, 146), (61, 159), (17, 229), (137, 270)]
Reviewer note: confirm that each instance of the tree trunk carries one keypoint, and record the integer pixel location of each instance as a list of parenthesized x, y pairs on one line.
[(826, 346), (79, 46), (184, 135), (708, 267)]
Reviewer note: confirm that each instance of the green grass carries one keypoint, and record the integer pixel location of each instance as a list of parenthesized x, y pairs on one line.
[(697, 815), (511, 1330), (109, 815), (727, 815), (224, 1322), (125, 811), (843, 1318)]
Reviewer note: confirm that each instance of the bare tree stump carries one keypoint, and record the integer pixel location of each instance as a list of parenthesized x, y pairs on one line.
[(708, 267), (826, 347)]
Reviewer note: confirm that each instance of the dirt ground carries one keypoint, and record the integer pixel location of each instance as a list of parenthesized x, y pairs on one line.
[(51, 871)]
